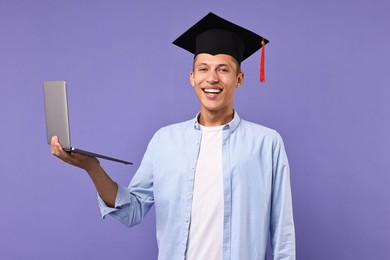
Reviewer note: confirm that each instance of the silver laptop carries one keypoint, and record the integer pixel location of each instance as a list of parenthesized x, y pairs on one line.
[(57, 118)]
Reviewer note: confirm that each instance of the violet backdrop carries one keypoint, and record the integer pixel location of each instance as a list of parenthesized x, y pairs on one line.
[(326, 92)]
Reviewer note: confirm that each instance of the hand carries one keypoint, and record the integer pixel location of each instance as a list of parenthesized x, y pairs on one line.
[(87, 163)]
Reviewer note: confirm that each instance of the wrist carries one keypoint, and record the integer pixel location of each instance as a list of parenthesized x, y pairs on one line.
[(94, 169)]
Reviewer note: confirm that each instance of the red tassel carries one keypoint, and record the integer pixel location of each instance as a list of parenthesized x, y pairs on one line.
[(262, 73)]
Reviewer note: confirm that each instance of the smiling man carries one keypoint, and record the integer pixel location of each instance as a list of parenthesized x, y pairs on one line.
[(220, 184)]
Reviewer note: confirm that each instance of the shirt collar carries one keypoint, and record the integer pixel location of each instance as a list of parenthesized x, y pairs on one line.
[(232, 125)]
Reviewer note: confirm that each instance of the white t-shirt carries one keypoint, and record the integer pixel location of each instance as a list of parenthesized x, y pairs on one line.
[(206, 228)]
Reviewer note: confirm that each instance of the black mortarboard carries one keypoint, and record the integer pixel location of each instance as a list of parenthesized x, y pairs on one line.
[(215, 35)]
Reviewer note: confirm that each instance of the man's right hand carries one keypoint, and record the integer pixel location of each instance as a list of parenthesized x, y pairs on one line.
[(87, 163), (105, 186)]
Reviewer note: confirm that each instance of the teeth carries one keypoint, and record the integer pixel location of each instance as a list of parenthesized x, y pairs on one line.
[(212, 90)]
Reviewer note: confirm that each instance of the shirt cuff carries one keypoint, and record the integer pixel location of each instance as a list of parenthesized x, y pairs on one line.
[(122, 198)]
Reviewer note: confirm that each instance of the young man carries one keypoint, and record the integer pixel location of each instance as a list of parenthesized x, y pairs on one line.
[(220, 184)]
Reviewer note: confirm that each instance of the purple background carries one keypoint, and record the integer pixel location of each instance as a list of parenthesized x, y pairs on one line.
[(327, 93)]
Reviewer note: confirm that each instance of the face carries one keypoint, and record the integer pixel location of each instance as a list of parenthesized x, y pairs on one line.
[(215, 78)]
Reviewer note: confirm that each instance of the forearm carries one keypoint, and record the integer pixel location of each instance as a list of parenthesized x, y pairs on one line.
[(104, 185)]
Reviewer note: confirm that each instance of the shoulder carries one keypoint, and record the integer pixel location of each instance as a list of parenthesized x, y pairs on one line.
[(176, 127), (256, 129), (266, 138), (260, 135), (174, 131)]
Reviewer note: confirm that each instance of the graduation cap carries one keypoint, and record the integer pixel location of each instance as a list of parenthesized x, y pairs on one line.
[(215, 35)]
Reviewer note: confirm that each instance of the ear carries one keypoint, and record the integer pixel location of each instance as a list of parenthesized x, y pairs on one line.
[(240, 79), (192, 80)]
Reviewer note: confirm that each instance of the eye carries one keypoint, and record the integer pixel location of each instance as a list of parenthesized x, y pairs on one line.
[(202, 69), (223, 69)]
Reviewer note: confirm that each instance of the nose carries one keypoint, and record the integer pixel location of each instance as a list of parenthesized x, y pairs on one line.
[(212, 78)]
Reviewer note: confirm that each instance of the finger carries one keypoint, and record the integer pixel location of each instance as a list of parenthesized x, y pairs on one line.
[(54, 140), (58, 151), (54, 145)]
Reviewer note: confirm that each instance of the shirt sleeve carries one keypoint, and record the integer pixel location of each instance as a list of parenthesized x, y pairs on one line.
[(122, 198), (282, 222), (133, 203)]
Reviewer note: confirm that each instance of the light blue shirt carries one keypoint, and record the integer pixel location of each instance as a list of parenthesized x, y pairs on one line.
[(257, 194)]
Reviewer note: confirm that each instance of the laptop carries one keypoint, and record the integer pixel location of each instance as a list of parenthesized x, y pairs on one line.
[(57, 118)]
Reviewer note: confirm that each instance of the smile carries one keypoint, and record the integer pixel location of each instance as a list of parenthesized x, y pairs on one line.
[(212, 90)]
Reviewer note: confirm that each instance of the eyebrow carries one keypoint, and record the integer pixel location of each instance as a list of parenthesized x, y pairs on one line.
[(218, 65)]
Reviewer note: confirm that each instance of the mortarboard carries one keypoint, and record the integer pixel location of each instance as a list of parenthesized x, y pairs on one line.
[(215, 35)]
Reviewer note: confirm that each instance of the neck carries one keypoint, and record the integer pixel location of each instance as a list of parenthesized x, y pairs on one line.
[(207, 118)]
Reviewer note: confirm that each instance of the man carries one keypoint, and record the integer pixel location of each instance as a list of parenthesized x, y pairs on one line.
[(220, 184)]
